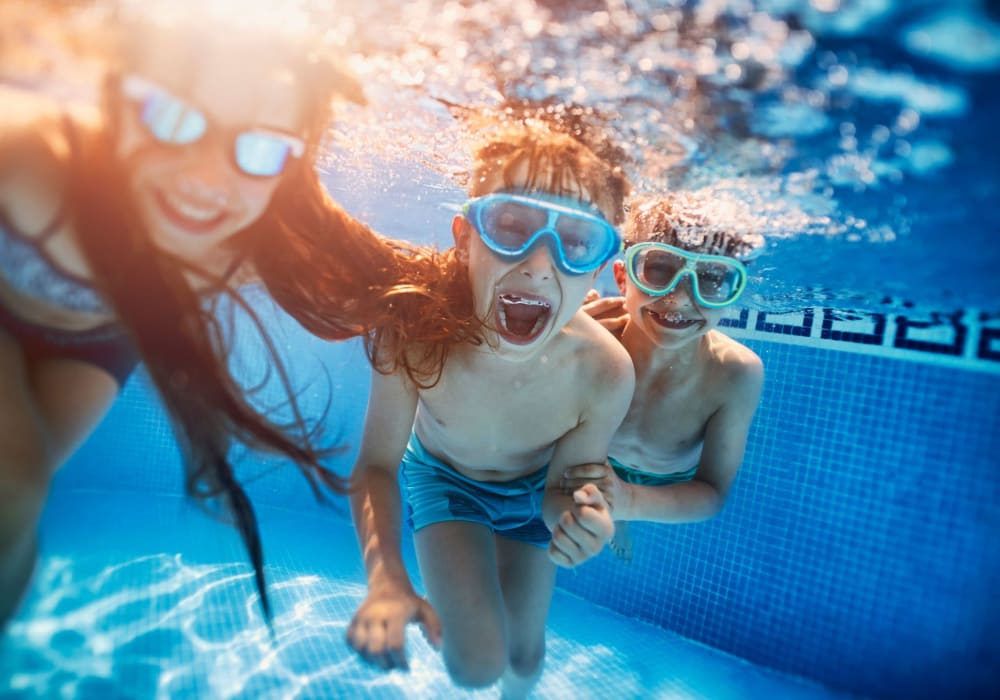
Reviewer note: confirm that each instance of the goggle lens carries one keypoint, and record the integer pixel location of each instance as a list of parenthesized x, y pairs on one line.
[(262, 155), (172, 121)]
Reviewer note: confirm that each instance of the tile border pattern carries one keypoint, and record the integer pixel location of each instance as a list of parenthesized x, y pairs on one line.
[(967, 339)]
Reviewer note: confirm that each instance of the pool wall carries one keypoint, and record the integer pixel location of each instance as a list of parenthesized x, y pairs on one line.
[(859, 544)]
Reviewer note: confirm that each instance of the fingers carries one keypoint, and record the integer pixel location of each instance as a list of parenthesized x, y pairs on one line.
[(592, 471), (590, 495), (592, 295), (600, 307), (430, 623), (378, 643), (563, 550), (395, 647), (614, 323), (579, 535), (570, 485)]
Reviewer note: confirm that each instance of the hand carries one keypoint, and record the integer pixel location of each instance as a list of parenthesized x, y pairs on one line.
[(583, 530), (378, 630), (614, 490), (608, 311)]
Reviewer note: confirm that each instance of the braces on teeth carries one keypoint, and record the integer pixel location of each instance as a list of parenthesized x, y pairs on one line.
[(514, 299)]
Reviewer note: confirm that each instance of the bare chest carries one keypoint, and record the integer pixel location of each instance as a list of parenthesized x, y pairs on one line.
[(505, 423), (665, 419)]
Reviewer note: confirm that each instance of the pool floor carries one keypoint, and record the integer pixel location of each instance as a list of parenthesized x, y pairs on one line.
[(140, 596)]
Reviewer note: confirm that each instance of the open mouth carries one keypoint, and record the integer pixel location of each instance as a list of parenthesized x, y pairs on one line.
[(672, 319), (521, 318), (187, 215)]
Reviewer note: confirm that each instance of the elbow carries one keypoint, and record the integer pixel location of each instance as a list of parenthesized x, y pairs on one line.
[(714, 504)]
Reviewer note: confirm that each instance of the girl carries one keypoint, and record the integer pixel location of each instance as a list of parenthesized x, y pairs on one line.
[(194, 173)]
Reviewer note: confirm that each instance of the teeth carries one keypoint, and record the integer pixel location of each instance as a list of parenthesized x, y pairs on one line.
[(508, 298), (669, 316), (515, 299), (192, 211)]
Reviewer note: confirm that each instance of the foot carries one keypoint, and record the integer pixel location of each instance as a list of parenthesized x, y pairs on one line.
[(621, 542)]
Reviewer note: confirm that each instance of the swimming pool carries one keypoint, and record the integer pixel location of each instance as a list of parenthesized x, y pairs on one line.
[(857, 554)]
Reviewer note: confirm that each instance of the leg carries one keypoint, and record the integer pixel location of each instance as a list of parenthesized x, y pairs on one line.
[(458, 564), (47, 409), (527, 579), (621, 542)]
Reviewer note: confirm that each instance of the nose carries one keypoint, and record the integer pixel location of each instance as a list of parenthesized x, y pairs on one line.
[(207, 174), (682, 294), (538, 264)]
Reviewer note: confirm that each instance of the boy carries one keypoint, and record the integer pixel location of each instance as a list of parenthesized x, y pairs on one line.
[(677, 452), (489, 440)]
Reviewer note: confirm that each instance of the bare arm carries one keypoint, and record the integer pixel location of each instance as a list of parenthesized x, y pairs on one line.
[(377, 631), (33, 156), (725, 443), (580, 521)]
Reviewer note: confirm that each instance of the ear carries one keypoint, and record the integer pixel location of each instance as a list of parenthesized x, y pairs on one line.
[(620, 276), (461, 229)]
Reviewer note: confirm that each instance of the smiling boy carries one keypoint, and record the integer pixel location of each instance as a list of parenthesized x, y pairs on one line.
[(676, 454), (483, 448)]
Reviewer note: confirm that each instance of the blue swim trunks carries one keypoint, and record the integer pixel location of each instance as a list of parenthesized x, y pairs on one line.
[(437, 493), (631, 475)]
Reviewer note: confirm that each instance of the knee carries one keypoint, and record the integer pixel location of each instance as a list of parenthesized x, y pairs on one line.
[(527, 660), (476, 667)]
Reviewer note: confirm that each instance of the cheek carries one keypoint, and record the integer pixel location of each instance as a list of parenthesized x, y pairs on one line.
[(634, 301), (256, 195)]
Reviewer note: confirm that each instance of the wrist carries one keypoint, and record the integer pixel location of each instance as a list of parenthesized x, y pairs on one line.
[(386, 578)]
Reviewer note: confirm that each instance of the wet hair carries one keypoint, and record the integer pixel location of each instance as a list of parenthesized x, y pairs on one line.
[(328, 270), (563, 148), (555, 160), (687, 222)]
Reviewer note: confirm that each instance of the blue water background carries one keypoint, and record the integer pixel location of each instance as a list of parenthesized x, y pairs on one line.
[(857, 549)]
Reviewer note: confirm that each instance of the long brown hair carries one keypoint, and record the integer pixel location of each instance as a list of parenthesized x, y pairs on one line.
[(528, 148), (332, 273)]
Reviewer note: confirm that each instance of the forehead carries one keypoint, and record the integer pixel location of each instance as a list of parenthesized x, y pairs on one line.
[(234, 84)]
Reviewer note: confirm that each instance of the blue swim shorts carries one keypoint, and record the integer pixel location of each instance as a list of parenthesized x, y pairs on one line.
[(437, 493), (631, 475)]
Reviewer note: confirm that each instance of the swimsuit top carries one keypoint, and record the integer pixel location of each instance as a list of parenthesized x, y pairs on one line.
[(27, 268)]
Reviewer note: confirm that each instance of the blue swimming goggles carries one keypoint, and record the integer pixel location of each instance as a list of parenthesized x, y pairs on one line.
[(257, 151), (510, 225), (657, 269)]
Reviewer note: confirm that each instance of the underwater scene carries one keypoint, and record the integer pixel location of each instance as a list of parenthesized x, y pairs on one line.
[(176, 549)]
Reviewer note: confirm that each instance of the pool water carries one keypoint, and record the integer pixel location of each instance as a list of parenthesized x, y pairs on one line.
[(856, 556), (165, 607)]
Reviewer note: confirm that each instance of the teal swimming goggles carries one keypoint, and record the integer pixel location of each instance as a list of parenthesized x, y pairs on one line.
[(256, 151), (657, 269), (510, 225)]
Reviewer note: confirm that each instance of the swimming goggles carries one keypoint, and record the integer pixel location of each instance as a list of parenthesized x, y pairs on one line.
[(657, 269), (257, 151), (512, 224)]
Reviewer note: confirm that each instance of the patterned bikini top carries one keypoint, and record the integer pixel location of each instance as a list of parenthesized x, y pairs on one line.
[(26, 267)]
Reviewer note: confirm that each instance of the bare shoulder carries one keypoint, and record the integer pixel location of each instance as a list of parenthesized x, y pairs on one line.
[(738, 365), (34, 150), (600, 356)]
